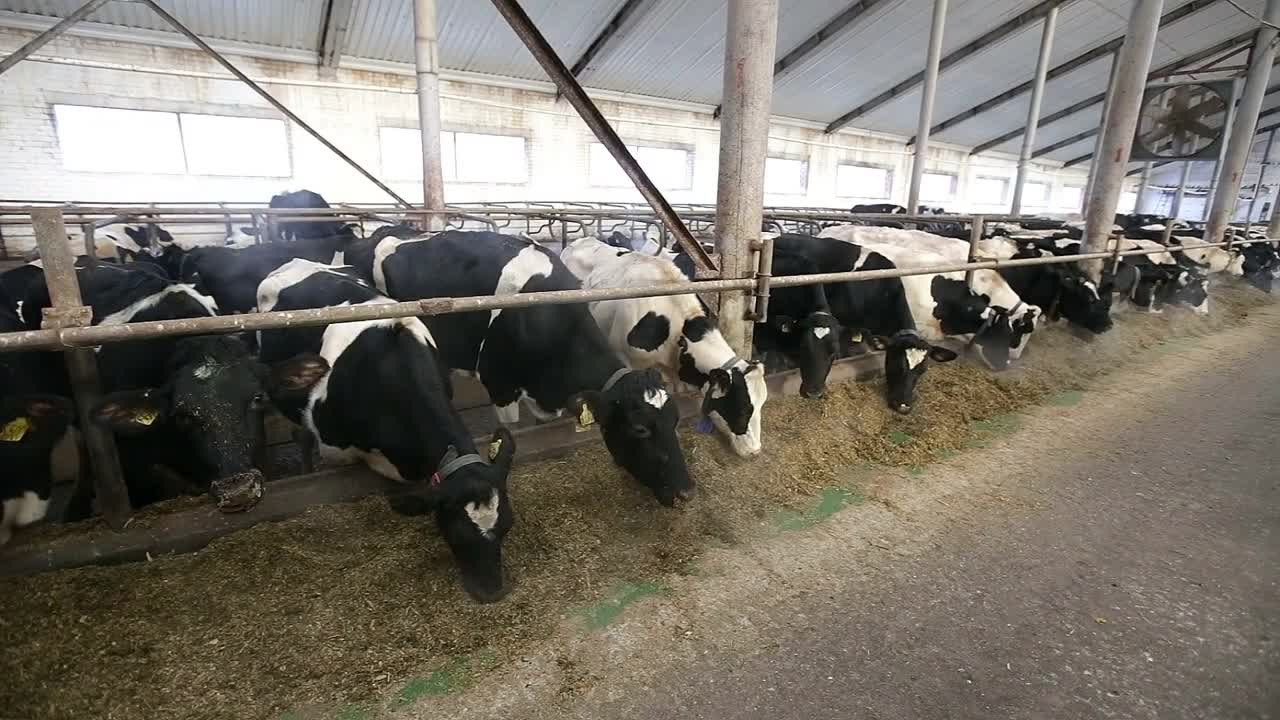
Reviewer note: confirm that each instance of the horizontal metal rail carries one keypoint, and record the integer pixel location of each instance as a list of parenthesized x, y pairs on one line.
[(56, 339)]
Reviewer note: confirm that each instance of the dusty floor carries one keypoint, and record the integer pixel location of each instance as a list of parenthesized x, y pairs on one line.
[(352, 609)]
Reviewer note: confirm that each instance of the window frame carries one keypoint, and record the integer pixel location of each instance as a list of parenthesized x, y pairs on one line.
[(955, 187), (287, 136), (804, 184), (888, 180), (1006, 185), (634, 148)]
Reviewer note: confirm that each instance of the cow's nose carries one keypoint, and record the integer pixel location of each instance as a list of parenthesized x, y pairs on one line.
[(814, 393), (687, 493), (903, 408)]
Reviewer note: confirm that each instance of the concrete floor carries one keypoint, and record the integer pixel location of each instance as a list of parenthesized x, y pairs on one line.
[(1115, 559)]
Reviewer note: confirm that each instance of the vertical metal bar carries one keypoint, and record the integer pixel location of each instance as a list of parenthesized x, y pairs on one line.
[(975, 237), (226, 64), (1181, 193), (43, 38), (1097, 143), (1144, 182), (1262, 174), (926, 103), (1244, 124), (744, 146), (90, 243), (82, 364), (1033, 108), (1133, 63), (764, 271), (427, 63), (591, 115), (1273, 227)]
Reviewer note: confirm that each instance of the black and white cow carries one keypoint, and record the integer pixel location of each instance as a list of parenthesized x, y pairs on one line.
[(232, 275), (550, 357), (876, 309), (377, 392), (38, 446), (674, 334)]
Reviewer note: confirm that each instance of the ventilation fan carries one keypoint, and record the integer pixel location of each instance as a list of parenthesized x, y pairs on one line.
[(1182, 122)]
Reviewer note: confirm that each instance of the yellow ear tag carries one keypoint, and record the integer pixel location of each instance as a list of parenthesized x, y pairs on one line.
[(146, 417), (856, 337), (495, 447), (15, 430), (585, 419)]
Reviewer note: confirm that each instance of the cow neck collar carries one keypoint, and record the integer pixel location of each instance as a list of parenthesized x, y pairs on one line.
[(452, 462), (614, 378)]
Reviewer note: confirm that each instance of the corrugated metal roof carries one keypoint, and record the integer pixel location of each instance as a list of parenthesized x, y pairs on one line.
[(674, 49), (293, 24)]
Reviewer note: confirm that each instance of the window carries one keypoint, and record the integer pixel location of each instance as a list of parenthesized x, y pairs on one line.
[(1127, 201), (1034, 193), (785, 177), (668, 168), (988, 190), (1071, 196), (218, 145), (937, 186), (863, 181), (109, 140), (464, 157)]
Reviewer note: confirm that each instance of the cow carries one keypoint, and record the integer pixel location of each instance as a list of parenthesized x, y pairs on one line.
[(1062, 289), (879, 209), (674, 334), (377, 392), (551, 358), (38, 445), (877, 310), (232, 275)]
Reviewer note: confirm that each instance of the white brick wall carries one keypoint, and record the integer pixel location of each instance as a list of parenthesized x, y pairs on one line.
[(31, 167)]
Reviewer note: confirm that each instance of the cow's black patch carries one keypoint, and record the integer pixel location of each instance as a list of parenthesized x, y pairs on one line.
[(697, 328), (649, 334)]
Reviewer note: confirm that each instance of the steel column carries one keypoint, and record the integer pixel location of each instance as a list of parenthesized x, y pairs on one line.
[(1097, 143), (1222, 154), (1144, 181), (926, 103), (751, 39), (1262, 174), (1176, 208), (43, 38), (427, 65), (1244, 124), (226, 64), (1132, 64), (1033, 108), (68, 311), (591, 115), (1273, 227)]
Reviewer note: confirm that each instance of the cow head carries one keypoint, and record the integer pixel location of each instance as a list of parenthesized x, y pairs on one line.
[(208, 416), (473, 512), (733, 398), (30, 427), (637, 417), (906, 358), (810, 343), (1082, 302), (1187, 287)]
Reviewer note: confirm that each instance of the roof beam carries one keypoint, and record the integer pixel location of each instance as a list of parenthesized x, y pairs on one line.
[(1154, 165), (1073, 64), (333, 31), (609, 32), (1100, 97), (832, 28), (1019, 22)]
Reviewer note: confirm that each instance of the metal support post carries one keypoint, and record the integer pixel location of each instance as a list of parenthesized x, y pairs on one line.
[(43, 38), (1033, 108), (1144, 182), (1262, 175), (1244, 124), (1132, 65), (427, 62), (764, 272), (1273, 227), (926, 103), (82, 364), (1097, 143), (1181, 193), (744, 145), (975, 237), (226, 64), (591, 115)]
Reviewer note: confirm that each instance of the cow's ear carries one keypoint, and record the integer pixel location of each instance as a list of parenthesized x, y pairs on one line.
[(297, 376), (876, 342), (132, 412), (784, 323), (941, 354), (502, 450), (588, 408)]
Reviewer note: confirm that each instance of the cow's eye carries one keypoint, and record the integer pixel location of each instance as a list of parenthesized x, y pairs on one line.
[(640, 431)]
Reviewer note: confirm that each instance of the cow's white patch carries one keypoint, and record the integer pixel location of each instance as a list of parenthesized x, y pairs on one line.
[(508, 414), (385, 249), (915, 356), (127, 314), (20, 512), (288, 275), (484, 515), (656, 397), (821, 332), (1092, 288), (205, 371), (37, 263), (339, 258), (532, 261), (1202, 308)]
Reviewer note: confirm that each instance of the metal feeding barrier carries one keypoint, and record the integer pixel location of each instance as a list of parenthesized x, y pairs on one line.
[(67, 325)]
